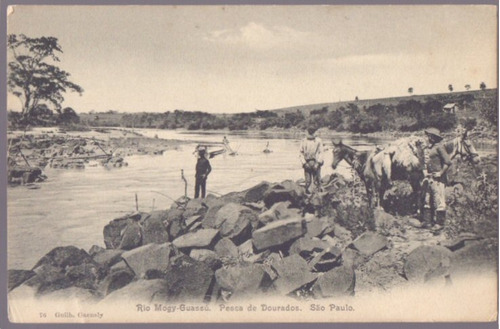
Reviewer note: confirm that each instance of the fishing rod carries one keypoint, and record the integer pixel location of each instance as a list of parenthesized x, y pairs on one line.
[(168, 197)]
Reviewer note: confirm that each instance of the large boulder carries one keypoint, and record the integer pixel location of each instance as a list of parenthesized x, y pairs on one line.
[(256, 193), (197, 239), (337, 282), (108, 257), (234, 220), (277, 233), (154, 230), (369, 243), (308, 247), (475, 256), (48, 278), (426, 263), (64, 256), (17, 277), (280, 210), (210, 217), (132, 236), (242, 279), (113, 231), (319, 226), (225, 248), (151, 257), (115, 280), (352, 258), (326, 259), (342, 234), (247, 253), (209, 257), (186, 280), (285, 191), (195, 207), (293, 273), (175, 222), (85, 275)]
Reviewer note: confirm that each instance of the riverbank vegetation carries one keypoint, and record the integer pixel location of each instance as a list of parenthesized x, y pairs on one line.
[(395, 114)]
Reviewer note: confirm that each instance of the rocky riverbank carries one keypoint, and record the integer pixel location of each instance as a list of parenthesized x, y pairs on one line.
[(30, 153), (269, 240)]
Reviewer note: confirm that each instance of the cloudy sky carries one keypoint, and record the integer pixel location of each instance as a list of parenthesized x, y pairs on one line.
[(242, 58)]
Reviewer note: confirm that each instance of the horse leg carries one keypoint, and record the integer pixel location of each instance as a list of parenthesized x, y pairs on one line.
[(419, 191), (369, 194)]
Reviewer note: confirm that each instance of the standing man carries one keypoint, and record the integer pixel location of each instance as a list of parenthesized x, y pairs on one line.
[(311, 156), (203, 168), (436, 163)]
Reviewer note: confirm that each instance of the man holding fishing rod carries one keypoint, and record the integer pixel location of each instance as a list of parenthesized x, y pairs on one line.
[(203, 168)]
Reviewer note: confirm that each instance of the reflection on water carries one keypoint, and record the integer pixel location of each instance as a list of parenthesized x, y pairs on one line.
[(72, 206)]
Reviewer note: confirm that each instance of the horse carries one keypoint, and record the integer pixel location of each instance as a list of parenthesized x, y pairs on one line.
[(401, 160), (374, 177)]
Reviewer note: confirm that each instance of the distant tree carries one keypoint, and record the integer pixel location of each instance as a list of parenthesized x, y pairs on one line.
[(467, 87), (482, 86), (356, 99), (30, 75), (450, 87), (68, 116), (410, 90)]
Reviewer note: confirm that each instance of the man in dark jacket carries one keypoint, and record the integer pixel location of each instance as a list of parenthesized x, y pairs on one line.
[(203, 168)]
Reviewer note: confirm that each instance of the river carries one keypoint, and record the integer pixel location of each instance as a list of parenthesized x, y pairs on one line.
[(73, 206)]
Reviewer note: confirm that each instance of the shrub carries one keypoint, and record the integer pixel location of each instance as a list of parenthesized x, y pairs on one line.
[(474, 210)]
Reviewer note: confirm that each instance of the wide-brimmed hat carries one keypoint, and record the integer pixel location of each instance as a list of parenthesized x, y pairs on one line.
[(434, 132)]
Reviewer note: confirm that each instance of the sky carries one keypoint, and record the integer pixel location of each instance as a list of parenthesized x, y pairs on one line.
[(227, 59)]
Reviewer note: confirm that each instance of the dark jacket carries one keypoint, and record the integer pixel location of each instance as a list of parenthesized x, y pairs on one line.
[(203, 167)]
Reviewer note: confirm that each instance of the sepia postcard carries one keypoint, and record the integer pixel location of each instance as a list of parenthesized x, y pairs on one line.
[(249, 164)]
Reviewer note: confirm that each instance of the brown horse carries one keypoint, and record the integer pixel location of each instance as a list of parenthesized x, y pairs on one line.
[(401, 160)]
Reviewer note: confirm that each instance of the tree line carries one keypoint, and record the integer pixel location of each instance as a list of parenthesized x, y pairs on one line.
[(40, 85), (405, 116)]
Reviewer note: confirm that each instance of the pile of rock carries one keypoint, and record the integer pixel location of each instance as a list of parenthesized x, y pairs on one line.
[(258, 242), (38, 152), (18, 175)]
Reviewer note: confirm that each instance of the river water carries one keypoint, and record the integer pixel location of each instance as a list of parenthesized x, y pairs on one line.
[(73, 206)]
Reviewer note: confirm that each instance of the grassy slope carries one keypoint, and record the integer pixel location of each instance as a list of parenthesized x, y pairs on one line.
[(114, 119), (306, 109)]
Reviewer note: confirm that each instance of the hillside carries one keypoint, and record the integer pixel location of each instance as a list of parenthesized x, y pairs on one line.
[(443, 97), (404, 114)]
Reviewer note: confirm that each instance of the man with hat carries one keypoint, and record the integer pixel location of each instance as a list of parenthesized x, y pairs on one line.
[(311, 157), (436, 163), (203, 168)]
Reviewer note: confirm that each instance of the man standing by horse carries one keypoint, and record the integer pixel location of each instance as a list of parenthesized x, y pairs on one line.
[(311, 157), (436, 163)]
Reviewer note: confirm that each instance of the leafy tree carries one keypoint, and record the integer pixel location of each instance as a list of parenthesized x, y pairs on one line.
[(68, 116), (482, 86), (489, 111), (467, 87), (410, 90), (450, 88), (32, 78)]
